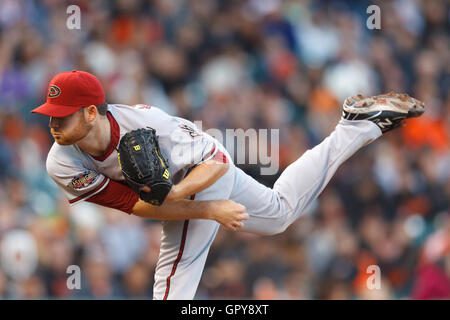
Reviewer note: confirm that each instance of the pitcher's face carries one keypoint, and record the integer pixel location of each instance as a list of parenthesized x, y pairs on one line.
[(71, 129)]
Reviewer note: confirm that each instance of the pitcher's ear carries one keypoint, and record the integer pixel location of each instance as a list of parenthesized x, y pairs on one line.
[(91, 112)]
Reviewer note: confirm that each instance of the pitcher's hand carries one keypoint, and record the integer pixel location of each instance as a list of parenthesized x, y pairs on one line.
[(229, 214)]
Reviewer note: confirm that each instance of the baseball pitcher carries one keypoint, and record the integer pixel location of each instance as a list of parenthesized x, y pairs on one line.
[(197, 187)]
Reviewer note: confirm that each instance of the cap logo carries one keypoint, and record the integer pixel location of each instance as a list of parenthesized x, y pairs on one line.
[(53, 91)]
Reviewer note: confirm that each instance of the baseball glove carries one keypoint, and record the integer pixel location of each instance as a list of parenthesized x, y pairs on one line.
[(142, 164)]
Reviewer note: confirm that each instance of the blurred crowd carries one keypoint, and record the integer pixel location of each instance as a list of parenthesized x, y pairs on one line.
[(280, 64)]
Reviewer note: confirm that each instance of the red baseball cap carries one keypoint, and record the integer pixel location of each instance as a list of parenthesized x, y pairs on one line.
[(68, 92)]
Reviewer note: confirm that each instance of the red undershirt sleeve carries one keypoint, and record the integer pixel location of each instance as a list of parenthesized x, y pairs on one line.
[(116, 195)]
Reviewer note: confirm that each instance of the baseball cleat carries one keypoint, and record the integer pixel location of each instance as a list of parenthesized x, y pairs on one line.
[(385, 110)]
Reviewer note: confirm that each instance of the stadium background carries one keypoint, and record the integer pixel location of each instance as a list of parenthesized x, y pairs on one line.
[(235, 64)]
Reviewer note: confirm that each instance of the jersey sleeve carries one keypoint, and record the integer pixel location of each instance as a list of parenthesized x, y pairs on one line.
[(77, 182), (116, 195)]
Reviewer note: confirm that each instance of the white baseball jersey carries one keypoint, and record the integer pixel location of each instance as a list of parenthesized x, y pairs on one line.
[(81, 175), (185, 244)]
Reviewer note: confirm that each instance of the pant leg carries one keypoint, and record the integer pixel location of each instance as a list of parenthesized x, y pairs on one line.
[(185, 246), (271, 211), (266, 211)]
